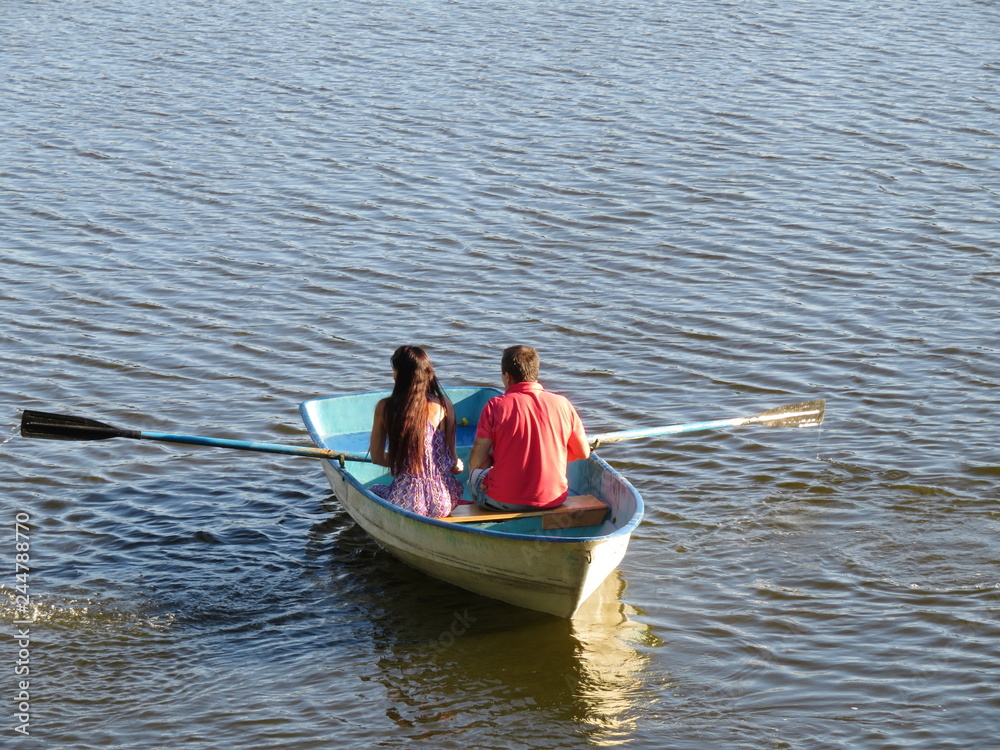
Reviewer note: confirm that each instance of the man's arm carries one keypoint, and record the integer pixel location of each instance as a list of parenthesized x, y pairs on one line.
[(479, 456)]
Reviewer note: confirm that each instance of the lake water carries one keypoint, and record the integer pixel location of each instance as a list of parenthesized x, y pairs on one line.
[(210, 212)]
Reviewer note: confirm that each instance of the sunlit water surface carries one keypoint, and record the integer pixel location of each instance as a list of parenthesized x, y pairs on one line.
[(213, 211)]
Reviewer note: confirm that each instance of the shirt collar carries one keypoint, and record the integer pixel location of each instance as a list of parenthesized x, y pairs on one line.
[(526, 386)]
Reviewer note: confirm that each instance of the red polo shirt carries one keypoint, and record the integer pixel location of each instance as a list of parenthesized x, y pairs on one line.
[(530, 429)]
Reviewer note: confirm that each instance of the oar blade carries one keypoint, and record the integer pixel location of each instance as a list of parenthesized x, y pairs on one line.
[(802, 414), (40, 424)]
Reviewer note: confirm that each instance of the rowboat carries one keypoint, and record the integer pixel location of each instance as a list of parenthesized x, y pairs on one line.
[(548, 561)]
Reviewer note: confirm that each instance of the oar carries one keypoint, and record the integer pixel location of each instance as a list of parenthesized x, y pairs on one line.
[(39, 424), (802, 414)]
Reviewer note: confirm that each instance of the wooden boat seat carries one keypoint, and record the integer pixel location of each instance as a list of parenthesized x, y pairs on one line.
[(578, 510)]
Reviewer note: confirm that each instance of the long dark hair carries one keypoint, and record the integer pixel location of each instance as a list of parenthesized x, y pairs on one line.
[(406, 410)]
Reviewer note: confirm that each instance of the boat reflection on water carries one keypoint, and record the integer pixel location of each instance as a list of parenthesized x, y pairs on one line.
[(449, 661), (613, 660), (493, 663)]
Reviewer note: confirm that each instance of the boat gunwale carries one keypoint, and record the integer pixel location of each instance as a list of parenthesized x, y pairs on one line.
[(625, 529)]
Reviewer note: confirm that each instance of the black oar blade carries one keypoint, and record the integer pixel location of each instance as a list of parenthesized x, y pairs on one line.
[(40, 424), (804, 414)]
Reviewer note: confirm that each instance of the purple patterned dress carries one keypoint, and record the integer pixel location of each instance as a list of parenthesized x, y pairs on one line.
[(434, 493)]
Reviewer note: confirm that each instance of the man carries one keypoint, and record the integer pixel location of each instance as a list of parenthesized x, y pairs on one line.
[(524, 440)]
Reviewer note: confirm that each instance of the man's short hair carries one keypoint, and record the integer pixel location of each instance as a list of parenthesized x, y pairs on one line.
[(521, 363)]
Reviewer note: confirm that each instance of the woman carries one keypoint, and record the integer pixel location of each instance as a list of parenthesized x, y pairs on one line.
[(418, 421)]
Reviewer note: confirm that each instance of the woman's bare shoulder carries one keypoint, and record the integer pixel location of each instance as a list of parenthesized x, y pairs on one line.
[(436, 411)]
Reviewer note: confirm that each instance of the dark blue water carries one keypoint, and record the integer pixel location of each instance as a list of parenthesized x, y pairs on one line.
[(212, 212)]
